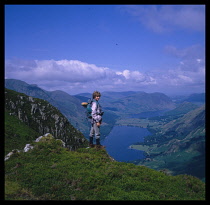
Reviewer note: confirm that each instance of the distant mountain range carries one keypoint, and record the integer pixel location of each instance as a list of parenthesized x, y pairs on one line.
[(196, 98), (127, 103), (182, 108)]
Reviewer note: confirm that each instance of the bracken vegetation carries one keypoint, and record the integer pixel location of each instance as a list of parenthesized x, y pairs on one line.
[(51, 172)]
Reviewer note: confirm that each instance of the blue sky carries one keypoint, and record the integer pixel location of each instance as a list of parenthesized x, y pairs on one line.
[(82, 48)]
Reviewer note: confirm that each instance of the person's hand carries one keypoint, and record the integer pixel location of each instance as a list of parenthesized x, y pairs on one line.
[(98, 124)]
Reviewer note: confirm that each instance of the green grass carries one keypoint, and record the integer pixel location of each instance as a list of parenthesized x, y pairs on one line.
[(50, 172), (17, 133)]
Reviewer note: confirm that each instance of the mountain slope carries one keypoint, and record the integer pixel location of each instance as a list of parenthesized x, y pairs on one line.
[(69, 105), (90, 174), (17, 133), (179, 145), (182, 109), (191, 124), (42, 117), (197, 98)]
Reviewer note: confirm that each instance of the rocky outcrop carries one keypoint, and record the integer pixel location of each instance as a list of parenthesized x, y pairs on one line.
[(29, 146), (43, 117), (68, 105)]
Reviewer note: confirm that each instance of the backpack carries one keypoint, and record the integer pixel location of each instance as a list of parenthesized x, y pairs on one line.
[(89, 109)]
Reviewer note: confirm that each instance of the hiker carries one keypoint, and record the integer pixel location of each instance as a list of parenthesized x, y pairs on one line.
[(96, 120)]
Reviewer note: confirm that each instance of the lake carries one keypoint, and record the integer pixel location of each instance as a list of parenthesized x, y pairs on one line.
[(119, 140)]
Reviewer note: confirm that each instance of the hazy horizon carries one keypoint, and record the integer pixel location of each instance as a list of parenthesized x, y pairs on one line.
[(105, 91)]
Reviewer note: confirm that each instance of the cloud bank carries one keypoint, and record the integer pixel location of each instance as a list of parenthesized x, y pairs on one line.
[(74, 76)]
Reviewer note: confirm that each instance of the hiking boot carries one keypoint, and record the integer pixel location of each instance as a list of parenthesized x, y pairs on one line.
[(98, 144), (100, 147), (91, 145)]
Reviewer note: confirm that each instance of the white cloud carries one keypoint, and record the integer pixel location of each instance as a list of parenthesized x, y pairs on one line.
[(74, 76), (162, 18), (136, 77), (65, 70)]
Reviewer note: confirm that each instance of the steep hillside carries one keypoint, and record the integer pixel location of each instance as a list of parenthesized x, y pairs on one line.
[(42, 117), (50, 172), (190, 125), (179, 145), (16, 133), (69, 106)]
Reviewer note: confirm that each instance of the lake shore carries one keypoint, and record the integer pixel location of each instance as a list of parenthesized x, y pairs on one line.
[(120, 139)]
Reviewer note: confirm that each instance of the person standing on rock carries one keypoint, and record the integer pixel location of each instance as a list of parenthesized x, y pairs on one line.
[(96, 120)]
